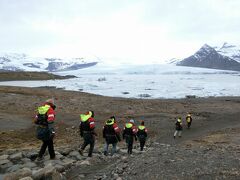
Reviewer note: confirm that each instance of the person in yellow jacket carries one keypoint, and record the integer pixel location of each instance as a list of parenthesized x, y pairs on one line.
[(189, 120), (179, 128), (142, 135)]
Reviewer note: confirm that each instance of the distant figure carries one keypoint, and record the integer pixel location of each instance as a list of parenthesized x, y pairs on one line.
[(86, 127), (45, 130), (111, 134), (178, 128), (142, 135), (189, 120), (129, 133)]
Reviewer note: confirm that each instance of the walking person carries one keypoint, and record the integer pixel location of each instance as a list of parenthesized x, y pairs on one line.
[(129, 133), (179, 128), (111, 134), (45, 130), (142, 135), (86, 127), (189, 120)]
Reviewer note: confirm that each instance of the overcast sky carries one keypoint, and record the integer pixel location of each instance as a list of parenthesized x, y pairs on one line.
[(124, 30)]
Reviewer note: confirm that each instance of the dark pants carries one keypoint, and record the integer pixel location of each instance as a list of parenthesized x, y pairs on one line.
[(129, 141), (189, 124), (88, 139), (114, 147), (142, 143), (49, 144)]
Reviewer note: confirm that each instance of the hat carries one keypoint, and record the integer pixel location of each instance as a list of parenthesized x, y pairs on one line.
[(131, 121), (51, 101)]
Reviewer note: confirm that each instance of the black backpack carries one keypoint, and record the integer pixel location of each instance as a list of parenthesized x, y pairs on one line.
[(42, 115)]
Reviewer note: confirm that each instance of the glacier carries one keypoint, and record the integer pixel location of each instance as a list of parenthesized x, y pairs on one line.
[(145, 81)]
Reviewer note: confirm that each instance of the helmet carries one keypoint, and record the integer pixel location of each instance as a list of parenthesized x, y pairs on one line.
[(50, 101), (189, 115), (179, 119), (131, 121)]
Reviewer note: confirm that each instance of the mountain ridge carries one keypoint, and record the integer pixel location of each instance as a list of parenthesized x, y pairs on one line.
[(213, 58), (23, 62)]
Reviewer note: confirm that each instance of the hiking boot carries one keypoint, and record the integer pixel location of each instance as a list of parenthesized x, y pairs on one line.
[(81, 152), (40, 158), (52, 158), (105, 153)]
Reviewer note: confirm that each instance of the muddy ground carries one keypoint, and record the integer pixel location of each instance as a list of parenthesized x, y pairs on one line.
[(209, 150)]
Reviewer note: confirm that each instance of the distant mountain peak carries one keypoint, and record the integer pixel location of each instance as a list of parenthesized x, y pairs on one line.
[(209, 57)]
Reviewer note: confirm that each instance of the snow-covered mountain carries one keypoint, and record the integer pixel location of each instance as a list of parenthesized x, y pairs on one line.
[(23, 62), (229, 50), (209, 57)]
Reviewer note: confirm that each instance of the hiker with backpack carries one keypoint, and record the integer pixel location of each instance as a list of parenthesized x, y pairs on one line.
[(129, 134), (111, 134), (142, 135), (86, 128), (189, 120), (45, 127), (178, 128)]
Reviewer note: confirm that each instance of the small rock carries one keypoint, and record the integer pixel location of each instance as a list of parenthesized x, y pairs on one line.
[(81, 175), (59, 168), (15, 168), (38, 174), (26, 178), (74, 153), (16, 156), (3, 157), (30, 165), (86, 162), (68, 162), (4, 161)]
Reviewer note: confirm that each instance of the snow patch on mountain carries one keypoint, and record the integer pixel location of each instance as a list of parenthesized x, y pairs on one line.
[(23, 62), (229, 50)]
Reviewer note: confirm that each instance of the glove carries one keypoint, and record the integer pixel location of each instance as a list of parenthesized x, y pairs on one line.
[(52, 135)]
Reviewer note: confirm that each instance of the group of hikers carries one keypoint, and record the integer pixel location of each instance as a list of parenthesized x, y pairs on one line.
[(179, 126), (111, 132)]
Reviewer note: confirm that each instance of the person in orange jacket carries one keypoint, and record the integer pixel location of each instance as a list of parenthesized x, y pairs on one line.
[(86, 127), (142, 135), (129, 133), (111, 134), (45, 130)]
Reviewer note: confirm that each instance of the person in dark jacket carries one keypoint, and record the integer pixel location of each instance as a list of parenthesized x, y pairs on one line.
[(189, 120), (111, 134), (129, 133), (86, 127), (142, 135), (45, 130), (179, 128)]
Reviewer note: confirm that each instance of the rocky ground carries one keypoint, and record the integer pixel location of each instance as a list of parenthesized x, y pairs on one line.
[(209, 150)]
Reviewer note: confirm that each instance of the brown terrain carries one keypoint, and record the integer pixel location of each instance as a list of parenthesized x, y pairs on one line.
[(210, 149)]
